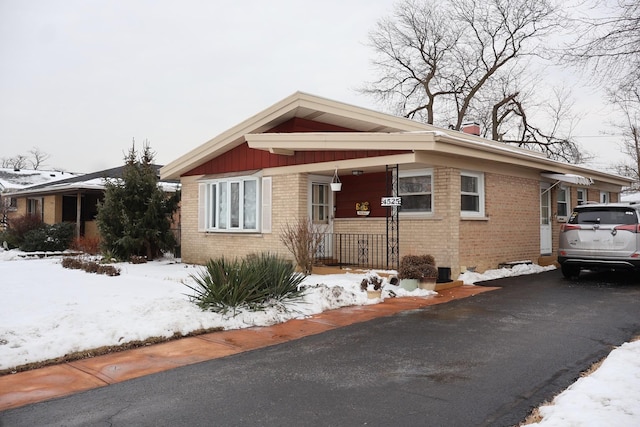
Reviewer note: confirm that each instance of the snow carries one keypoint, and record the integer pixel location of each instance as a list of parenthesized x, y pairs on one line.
[(19, 179), (48, 311)]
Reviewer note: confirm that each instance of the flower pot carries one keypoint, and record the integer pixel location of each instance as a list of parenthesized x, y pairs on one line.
[(374, 294), (336, 186), (428, 284), (409, 284)]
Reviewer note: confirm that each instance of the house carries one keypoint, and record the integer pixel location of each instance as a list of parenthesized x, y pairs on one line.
[(12, 180), (468, 201), (74, 199)]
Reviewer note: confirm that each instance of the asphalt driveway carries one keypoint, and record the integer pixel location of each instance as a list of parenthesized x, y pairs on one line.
[(484, 360)]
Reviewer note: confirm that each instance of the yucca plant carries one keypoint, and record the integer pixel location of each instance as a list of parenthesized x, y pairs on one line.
[(278, 278), (253, 282)]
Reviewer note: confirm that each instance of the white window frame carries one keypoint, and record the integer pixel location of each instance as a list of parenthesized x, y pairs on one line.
[(480, 194), (581, 200), (563, 216), (215, 205), (417, 172)]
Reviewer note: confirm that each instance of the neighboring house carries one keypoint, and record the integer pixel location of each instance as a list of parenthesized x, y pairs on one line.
[(12, 180), (468, 201), (73, 200)]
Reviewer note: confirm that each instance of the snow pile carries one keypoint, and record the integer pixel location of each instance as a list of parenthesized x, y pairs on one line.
[(610, 396), (471, 277)]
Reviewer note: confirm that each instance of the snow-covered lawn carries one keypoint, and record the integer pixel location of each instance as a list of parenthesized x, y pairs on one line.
[(47, 311)]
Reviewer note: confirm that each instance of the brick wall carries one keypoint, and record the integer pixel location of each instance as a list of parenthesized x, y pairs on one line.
[(511, 230), (289, 201)]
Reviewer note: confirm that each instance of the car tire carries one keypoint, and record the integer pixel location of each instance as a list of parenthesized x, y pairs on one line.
[(570, 271)]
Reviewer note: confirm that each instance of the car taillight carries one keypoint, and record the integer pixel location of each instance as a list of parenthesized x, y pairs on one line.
[(634, 228), (567, 227)]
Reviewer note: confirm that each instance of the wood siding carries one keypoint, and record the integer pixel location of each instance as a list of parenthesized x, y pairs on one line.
[(243, 158), (369, 187)]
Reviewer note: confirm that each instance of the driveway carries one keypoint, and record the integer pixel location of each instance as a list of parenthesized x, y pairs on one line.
[(479, 361)]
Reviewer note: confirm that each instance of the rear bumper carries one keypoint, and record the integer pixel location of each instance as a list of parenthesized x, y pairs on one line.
[(600, 263)]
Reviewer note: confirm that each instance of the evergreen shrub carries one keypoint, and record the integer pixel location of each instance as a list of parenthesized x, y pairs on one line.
[(48, 238), (253, 282)]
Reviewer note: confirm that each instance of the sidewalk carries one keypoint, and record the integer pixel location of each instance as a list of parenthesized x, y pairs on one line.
[(61, 380)]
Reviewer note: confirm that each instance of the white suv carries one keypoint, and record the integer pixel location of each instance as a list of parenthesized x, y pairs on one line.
[(600, 235)]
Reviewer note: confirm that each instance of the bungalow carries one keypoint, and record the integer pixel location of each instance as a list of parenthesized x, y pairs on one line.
[(13, 180), (74, 199), (406, 188)]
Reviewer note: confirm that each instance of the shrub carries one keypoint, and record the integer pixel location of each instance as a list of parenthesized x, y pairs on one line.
[(90, 266), (303, 241), (252, 282), (371, 280), (417, 267), (50, 238), (88, 245), (137, 259), (18, 227)]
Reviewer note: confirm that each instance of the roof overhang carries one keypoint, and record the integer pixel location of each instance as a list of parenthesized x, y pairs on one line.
[(372, 130), (299, 105)]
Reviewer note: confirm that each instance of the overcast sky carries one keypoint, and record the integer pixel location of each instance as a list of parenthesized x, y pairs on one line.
[(80, 79)]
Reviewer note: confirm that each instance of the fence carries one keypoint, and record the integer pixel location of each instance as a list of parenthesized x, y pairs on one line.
[(357, 250)]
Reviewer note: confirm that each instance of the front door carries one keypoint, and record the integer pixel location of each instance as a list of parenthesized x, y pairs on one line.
[(321, 212), (546, 238)]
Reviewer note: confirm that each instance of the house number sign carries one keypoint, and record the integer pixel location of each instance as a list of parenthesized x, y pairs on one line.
[(391, 201)]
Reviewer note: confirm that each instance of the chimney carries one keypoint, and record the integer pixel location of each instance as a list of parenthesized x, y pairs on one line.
[(472, 128)]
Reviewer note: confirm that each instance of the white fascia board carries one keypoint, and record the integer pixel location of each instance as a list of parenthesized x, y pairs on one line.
[(326, 141), (341, 165)]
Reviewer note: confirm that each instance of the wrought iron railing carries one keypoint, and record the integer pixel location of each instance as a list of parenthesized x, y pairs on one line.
[(356, 250)]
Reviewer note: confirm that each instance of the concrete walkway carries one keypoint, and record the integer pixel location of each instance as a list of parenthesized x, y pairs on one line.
[(61, 380)]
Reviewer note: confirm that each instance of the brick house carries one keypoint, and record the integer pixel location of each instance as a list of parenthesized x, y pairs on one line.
[(74, 199), (468, 201)]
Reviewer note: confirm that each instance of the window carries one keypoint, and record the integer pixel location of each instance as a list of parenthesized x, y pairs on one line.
[(563, 203), (415, 188), (33, 206), (581, 197), (320, 203), (229, 204), (471, 194)]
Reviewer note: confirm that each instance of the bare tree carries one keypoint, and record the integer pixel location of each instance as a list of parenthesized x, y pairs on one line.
[(19, 161), (628, 101), (609, 42), (455, 61), (38, 157)]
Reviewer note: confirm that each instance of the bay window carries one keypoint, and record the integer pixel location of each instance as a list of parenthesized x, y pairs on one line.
[(229, 204)]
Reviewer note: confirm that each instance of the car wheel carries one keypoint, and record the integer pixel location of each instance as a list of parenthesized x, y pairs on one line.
[(570, 271)]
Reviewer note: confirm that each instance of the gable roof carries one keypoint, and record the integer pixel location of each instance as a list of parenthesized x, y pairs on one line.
[(89, 181), (370, 130), (18, 179)]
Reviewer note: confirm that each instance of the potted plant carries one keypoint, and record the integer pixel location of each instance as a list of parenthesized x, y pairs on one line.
[(418, 271), (372, 285)]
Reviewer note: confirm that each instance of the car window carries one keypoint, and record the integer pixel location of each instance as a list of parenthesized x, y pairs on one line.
[(599, 215)]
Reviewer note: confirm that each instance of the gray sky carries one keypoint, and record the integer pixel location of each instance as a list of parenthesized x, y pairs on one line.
[(80, 79)]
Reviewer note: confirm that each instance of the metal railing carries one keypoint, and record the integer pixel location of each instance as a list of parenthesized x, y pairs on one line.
[(356, 250)]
